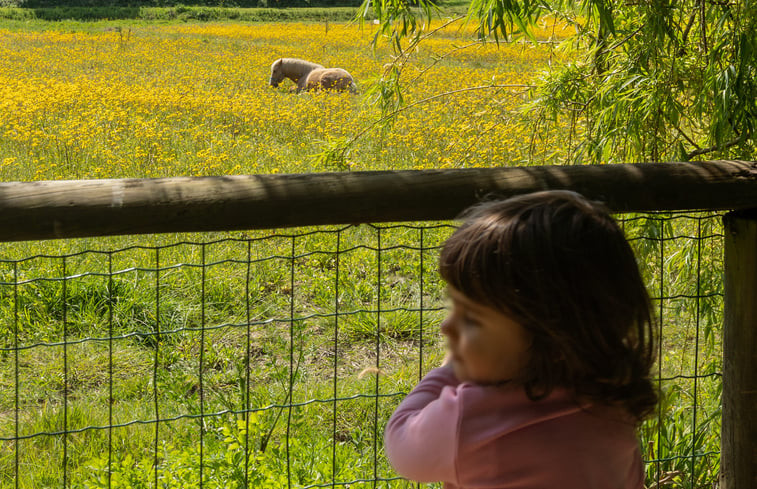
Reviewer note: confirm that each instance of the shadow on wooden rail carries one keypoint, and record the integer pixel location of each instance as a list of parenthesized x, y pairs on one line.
[(80, 208)]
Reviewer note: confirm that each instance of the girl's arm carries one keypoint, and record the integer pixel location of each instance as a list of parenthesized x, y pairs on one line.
[(421, 439)]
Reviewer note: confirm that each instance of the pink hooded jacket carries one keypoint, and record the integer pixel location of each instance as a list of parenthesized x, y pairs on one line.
[(479, 437)]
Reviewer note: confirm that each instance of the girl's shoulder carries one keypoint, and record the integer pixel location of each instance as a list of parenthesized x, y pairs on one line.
[(504, 436), (508, 408)]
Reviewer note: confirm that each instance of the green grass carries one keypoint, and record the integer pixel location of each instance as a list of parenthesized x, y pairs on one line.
[(173, 369), (200, 356), (239, 326)]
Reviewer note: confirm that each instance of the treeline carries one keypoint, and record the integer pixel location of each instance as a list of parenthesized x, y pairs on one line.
[(181, 13), (188, 10), (129, 4)]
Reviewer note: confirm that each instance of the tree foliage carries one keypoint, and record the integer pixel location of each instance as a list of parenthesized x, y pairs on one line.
[(654, 80)]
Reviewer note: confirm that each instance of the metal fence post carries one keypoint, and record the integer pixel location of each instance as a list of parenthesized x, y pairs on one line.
[(739, 425)]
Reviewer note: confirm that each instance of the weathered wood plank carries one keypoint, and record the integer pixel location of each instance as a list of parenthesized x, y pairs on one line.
[(65, 209), (738, 466)]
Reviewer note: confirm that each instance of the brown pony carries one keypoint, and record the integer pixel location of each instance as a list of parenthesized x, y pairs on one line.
[(310, 76)]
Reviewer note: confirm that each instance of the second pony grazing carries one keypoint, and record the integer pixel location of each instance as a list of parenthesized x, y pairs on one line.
[(311, 76)]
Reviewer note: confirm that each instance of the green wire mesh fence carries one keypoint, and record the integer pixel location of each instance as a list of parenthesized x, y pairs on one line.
[(273, 360)]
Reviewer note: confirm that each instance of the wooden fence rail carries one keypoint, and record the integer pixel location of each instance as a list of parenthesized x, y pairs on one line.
[(68, 209)]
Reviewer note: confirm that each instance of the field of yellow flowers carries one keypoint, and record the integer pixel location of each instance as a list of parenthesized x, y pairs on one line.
[(193, 99)]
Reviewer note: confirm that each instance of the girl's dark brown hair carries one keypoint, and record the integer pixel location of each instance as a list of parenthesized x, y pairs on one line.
[(560, 265)]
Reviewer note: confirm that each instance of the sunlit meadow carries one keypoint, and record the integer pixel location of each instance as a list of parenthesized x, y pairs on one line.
[(168, 100)]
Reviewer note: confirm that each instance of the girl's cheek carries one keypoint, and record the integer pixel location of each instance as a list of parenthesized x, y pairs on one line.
[(463, 345)]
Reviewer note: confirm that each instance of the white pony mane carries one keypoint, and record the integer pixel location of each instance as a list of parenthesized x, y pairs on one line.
[(296, 64)]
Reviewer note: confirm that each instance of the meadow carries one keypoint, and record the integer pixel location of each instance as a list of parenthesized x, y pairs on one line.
[(272, 359), (100, 103)]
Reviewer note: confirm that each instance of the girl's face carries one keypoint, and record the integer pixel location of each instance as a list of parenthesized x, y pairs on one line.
[(485, 345)]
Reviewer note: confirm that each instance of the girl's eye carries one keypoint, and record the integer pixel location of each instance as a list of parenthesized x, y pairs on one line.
[(469, 320)]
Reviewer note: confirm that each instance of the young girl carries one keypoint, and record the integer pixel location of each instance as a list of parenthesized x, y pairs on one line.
[(550, 349)]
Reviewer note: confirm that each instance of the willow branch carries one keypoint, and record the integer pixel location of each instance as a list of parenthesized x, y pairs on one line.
[(395, 112), (729, 144)]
